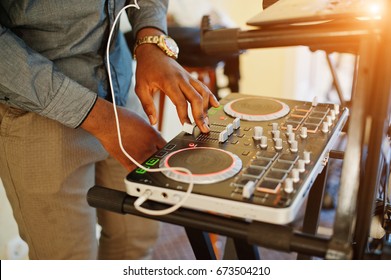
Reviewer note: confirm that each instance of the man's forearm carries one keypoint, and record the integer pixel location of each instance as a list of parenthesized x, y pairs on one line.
[(99, 118)]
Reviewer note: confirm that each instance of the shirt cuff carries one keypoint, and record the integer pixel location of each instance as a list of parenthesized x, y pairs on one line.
[(71, 105)]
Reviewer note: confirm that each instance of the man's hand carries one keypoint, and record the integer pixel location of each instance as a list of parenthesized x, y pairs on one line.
[(139, 139), (157, 72)]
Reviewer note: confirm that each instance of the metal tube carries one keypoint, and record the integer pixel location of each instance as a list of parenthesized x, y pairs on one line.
[(379, 111), (335, 36), (272, 236)]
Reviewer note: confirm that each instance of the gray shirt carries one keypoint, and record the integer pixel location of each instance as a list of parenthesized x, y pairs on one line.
[(52, 53)]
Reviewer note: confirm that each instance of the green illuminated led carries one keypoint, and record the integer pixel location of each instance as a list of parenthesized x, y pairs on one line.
[(213, 110), (142, 170), (152, 162)]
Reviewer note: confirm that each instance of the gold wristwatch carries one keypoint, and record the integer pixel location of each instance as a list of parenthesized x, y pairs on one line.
[(164, 42)]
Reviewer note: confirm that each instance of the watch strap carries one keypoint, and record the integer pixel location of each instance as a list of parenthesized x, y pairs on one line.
[(152, 39)]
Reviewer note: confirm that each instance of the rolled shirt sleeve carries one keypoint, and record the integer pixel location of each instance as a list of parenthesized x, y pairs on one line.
[(152, 13), (31, 82), (58, 71)]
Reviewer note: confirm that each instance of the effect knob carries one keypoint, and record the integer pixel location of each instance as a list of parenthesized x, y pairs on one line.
[(325, 127), (278, 144), (274, 126), (315, 101), (307, 157), (263, 142), (295, 175), (329, 120), (289, 129), (303, 132), (276, 134), (258, 132), (288, 185), (336, 109), (301, 165), (332, 114), (291, 138), (294, 146)]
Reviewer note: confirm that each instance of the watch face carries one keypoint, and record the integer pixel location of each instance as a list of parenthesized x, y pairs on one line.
[(171, 45)]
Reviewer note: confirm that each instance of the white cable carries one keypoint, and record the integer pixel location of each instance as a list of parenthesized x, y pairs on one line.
[(147, 193)]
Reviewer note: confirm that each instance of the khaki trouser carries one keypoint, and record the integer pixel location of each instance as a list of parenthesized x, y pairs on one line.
[(47, 170)]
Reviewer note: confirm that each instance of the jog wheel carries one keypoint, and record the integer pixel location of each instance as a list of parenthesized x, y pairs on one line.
[(208, 165)]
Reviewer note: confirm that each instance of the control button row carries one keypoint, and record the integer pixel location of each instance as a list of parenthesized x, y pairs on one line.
[(262, 140), (271, 172)]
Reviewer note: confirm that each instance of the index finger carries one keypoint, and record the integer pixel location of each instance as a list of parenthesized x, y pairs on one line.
[(209, 98), (196, 101)]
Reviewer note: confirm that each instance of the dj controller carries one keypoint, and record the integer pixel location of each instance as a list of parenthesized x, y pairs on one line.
[(258, 161)]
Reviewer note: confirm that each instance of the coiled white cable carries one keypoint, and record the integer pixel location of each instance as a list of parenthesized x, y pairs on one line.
[(147, 193)]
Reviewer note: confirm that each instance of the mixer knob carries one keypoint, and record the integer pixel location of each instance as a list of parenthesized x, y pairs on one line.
[(223, 136), (263, 142), (274, 126), (230, 128), (236, 123), (315, 101), (291, 137), (325, 127), (329, 120), (248, 189), (294, 146), (301, 165), (303, 132), (258, 132), (276, 134), (336, 109), (332, 114), (307, 157), (295, 175), (288, 185), (278, 144), (289, 129)]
